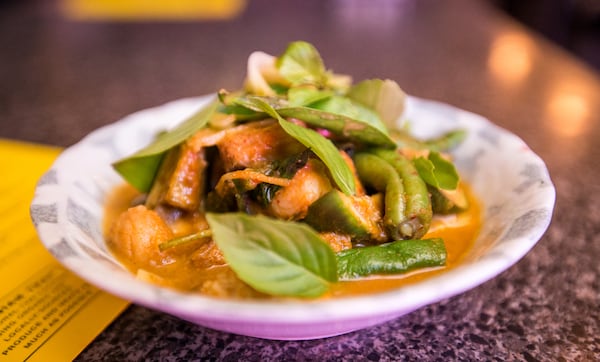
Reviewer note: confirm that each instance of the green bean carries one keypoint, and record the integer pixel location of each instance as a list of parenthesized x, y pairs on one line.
[(418, 210), (403, 139), (380, 175), (445, 142), (187, 239), (391, 258)]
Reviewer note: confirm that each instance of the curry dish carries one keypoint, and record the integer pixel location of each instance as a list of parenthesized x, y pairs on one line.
[(301, 184)]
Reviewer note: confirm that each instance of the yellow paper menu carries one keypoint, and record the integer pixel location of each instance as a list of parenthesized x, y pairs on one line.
[(132, 10), (46, 312)]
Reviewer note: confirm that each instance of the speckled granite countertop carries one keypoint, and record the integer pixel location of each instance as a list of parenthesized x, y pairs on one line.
[(61, 79)]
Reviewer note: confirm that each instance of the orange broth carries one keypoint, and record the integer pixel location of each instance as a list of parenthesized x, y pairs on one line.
[(457, 230)]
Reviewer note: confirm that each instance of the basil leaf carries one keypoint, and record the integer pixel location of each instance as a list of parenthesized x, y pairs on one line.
[(444, 143), (140, 168), (327, 152), (273, 256), (385, 97), (321, 146), (251, 102), (346, 107), (241, 113), (301, 64), (304, 96), (437, 171)]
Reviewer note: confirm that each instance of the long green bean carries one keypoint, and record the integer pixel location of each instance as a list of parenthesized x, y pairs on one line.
[(391, 258), (380, 175), (418, 210), (445, 142)]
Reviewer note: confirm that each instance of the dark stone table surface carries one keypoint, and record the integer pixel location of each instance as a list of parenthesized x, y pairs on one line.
[(61, 79)]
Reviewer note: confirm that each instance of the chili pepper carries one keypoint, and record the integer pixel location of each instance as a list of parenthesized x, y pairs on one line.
[(391, 258), (380, 175), (418, 212)]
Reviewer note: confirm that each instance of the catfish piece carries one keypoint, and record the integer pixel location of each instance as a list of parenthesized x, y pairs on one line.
[(255, 145), (180, 180), (136, 234)]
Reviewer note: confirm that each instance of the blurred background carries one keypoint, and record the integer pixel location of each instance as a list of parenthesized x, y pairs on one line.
[(95, 61), (573, 24)]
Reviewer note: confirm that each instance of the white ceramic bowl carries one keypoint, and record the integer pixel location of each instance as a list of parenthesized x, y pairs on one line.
[(511, 181)]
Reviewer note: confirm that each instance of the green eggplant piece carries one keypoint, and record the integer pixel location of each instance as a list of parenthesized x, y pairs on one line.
[(343, 214)]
